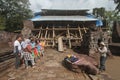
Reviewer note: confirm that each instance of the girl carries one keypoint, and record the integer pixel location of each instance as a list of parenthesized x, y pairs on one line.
[(28, 54)]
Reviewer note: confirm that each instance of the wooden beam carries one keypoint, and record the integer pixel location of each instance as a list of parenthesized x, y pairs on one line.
[(59, 29)]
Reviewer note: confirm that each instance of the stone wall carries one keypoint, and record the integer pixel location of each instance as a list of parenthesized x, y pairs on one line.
[(116, 32), (6, 36), (6, 39)]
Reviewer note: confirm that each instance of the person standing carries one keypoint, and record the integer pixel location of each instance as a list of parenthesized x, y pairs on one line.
[(42, 44), (17, 51), (103, 55), (28, 54), (38, 47)]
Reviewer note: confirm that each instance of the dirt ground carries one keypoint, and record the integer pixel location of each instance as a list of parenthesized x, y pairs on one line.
[(113, 67), (50, 68)]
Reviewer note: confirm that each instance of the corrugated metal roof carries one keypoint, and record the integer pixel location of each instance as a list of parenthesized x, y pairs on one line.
[(63, 18)]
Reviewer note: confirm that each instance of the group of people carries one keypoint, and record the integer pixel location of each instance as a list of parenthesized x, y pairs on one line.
[(28, 51)]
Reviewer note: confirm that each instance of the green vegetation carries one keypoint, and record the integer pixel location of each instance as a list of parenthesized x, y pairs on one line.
[(108, 16), (12, 14), (118, 5)]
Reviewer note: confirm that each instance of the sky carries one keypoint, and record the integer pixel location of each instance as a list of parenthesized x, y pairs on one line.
[(37, 5)]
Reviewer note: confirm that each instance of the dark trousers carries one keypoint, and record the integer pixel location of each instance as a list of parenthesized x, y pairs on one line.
[(102, 63), (17, 61)]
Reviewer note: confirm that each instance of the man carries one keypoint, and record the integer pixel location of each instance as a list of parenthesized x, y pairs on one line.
[(17, 50), (22, 51), (103, 54)]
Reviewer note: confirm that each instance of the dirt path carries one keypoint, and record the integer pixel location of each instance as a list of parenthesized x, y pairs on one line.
[(49, 68), (113, 67)]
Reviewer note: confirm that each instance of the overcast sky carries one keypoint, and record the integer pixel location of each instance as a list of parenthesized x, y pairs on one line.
[(37, 5)]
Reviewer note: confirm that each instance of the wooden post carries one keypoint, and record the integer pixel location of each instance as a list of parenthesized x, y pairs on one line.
[(85, 30), (69, 37), (39, 32), (60, 44), (53, 37), (80, 33), (49, 41), (41, 35), (46, 32)]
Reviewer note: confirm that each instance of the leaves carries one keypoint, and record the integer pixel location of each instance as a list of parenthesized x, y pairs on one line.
[(14, 12), (99, 12), (118, 5), (2, 23)]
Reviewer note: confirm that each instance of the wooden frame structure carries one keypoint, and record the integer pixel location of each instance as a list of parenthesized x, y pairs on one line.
[(71, 36)]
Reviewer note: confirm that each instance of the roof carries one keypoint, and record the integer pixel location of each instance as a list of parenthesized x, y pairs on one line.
[(63, 12), (63, 18), (69, 10)]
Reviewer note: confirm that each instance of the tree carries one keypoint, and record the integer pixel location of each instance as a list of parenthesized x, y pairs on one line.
[(99, 12), (108, 16), (118, 5), (2, 23), (14, 12)]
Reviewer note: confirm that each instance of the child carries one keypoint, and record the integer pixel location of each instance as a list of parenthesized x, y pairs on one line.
[(34, 49), (42, 44), (38, 47), (28, 54)]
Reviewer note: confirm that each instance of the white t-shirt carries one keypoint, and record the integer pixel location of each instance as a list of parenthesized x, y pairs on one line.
[(103, 51), (17, 43), (23, 44)]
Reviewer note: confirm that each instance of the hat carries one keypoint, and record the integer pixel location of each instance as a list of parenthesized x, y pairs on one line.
[(27, 41), (102, 43)]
